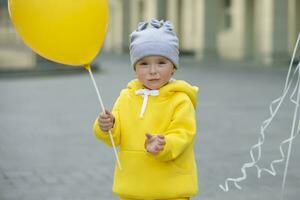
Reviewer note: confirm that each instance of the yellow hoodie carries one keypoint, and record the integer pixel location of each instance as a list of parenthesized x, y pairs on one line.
[(170, 174)]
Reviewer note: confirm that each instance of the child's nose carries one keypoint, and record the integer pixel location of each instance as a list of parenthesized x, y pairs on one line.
[(153, 69)]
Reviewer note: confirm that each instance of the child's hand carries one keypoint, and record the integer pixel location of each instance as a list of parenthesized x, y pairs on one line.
[(154, 143), (106, 121)]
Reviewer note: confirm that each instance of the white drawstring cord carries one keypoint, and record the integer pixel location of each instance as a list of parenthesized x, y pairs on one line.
[(146, 93)]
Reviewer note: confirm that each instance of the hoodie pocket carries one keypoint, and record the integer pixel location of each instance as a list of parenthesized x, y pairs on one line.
[(141, 171), (139, 162)]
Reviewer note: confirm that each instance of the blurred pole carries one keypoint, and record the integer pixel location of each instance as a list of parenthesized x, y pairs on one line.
[(125, 24), (162, 9), (249, 30), (280, 32), (208, 15)]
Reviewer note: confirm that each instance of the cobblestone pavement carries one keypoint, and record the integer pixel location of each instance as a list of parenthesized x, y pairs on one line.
[(48, 150)]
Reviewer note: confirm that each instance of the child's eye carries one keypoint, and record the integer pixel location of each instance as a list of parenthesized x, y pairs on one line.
[(162, 62), (143, 63)]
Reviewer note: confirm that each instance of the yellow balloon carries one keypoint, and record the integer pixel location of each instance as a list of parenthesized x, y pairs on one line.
[(65, 31)]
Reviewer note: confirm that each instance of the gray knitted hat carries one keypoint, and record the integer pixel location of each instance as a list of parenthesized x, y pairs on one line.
[(154, 38)]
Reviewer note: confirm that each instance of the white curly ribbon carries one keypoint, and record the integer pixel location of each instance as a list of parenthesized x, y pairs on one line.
[(274, 107)]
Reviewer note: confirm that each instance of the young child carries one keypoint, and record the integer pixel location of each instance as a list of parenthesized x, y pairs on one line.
[(153, 121)]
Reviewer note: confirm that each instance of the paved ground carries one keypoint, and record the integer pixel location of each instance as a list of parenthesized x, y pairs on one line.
[(48, 150)]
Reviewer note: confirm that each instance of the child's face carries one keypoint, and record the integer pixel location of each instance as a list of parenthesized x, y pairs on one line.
[(154, 71)]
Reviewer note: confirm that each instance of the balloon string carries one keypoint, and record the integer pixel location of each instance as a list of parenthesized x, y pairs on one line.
[(88, 67), (265, 124), (292, 135)]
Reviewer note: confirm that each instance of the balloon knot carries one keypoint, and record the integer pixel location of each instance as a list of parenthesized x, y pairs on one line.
[(87, 67)]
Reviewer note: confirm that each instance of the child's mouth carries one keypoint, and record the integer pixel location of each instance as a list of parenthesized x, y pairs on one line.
[(153, 80)]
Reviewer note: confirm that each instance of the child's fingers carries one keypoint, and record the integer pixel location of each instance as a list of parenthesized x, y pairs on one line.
[(160, 139), (161, 136), (154, 149), (105, 123), (158, 148), (148, 136), (107, 112), (101, 124), (106, 120), (104, 116), (105, 127), (161, 142), (109, 115)]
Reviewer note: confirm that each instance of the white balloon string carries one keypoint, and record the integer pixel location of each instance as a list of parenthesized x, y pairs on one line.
[(275, 103), (292, 135), (103, 110)]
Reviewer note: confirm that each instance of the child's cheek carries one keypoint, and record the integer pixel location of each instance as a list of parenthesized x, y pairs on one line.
[(141, 76)]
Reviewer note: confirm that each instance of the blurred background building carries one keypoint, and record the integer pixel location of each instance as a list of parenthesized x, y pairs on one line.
[(262, 31), (13, 53)]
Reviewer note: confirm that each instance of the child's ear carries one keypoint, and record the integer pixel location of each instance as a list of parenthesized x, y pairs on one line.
[(174, 70)]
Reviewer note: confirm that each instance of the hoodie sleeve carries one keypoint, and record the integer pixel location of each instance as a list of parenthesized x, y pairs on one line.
[(116, 133), (181, 131)]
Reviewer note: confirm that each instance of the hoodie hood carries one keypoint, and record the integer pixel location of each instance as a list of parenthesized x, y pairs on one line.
[(170, 88)]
